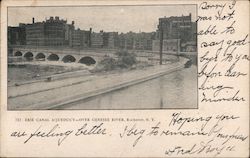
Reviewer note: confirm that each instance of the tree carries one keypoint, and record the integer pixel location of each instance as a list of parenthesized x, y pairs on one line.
[(108, 63), (125, 59)]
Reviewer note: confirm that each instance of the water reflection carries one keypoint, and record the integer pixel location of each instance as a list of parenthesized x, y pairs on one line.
[(161, 91), (175, 90)]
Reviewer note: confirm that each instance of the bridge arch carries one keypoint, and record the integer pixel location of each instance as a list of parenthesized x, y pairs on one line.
[(28, 56), (18, 53), (68, 59), (87, 60), (53, 57), (40, 56)]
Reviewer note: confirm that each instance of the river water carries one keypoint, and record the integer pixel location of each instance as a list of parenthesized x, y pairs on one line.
[(175, 90)]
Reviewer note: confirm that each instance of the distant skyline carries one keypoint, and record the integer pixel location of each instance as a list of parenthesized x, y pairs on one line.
[(106, 18)]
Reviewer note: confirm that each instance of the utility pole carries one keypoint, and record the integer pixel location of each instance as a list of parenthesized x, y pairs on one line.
[(178, 49), (161, 41)]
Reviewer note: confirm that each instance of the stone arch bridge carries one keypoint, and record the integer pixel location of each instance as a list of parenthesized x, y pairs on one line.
[(88, 57)]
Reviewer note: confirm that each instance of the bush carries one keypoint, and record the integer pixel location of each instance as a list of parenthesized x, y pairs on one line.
[(107, 64), (121, 53), (125, 59)]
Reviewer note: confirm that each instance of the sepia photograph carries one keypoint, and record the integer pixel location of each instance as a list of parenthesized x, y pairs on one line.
[(122, 78), (107, 57)]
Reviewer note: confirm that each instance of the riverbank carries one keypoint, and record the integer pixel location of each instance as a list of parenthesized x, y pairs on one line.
[(20, 73), (175, 90), (50, 95)]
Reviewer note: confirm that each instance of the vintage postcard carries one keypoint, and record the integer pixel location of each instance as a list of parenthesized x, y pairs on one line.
[(124, 78)]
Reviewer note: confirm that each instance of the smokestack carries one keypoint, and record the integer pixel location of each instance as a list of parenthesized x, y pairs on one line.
[(33, 20), (89, 39)]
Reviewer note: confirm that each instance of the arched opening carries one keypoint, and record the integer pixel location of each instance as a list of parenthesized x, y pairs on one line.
[(87, 61), (68, 59), (53, 57), (18, 53), (28, 56), (40, 56)]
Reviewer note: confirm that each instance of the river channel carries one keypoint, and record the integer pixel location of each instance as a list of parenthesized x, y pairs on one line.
[(175, 90)]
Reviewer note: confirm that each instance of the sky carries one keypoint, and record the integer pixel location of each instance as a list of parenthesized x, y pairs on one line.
[(107, 18)]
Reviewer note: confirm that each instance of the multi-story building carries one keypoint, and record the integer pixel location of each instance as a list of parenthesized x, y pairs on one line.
[(169, 45), (143, 41), (137, 41), (56, 32), (121, 40), (17, 35), (35, 34), (173, 28), (86, 38), (97, 40), (110, 40), (105, 39), (52, 32), (129, 40), (76, 38), (81, 38)]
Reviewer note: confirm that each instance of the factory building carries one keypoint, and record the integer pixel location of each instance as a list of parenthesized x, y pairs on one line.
[(176, 31), (97, 39), (51, 32), (176, 28)]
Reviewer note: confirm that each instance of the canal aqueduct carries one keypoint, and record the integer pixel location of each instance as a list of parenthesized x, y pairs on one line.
[(87, 57), (67, 56)]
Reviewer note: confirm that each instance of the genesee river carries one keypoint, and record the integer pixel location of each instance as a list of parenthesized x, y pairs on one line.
[(175, 90)]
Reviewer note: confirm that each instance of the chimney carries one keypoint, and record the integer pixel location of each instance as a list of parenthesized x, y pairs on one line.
[(33, 20), (89, 39)]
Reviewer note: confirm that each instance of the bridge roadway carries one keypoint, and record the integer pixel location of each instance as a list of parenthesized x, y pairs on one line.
[(60, 93)]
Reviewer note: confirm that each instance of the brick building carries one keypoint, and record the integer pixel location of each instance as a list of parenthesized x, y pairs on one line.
[(110, 40), (81, 38), (97, 40), (143, 41), (35, 34), (169, 45), (76, 38), (17, 35), (55, 32), (51, 32), (174, 28)]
